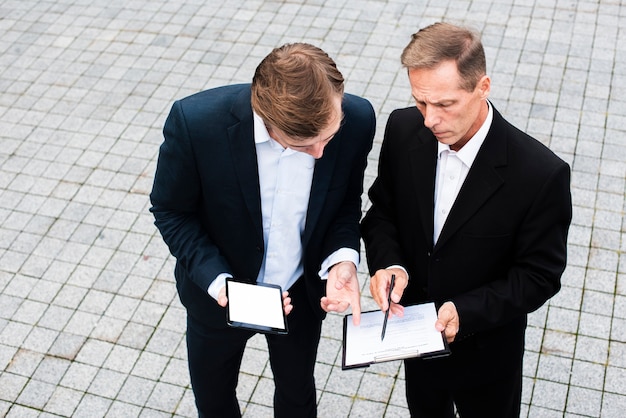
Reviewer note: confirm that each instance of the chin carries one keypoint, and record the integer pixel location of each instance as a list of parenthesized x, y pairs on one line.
[(445, 140)]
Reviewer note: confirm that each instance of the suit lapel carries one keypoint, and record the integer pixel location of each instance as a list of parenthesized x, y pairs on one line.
[(423, 160), (322, 175), (243, 151), (482, 180), (241, 141)]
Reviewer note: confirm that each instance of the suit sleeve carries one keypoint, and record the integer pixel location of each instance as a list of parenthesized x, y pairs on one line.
[(176, 197), (379, 226), (360, 126)]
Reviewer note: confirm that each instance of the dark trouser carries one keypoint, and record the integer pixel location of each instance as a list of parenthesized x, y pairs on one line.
[(215, 357), (500, 398)]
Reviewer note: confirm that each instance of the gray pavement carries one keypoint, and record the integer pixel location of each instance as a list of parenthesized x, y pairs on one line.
[(90, 323)]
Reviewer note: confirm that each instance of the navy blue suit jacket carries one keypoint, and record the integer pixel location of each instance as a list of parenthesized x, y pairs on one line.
[(206, 195), (502, 249)]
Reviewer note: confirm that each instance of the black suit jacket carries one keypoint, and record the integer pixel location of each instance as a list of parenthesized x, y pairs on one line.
[(502, 249), (206, 196)]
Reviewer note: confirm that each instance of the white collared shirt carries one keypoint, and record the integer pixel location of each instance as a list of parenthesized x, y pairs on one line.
[(285, 178), (452, 169)]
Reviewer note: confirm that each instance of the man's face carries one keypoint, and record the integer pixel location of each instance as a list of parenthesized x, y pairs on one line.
[(450, 112), (312, 146)]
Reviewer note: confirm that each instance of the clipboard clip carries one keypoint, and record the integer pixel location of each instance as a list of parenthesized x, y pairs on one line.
[(396, 356)]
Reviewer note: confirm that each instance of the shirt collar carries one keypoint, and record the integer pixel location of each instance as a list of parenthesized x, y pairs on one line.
[(260, 131), (261, 135), (468, 153)]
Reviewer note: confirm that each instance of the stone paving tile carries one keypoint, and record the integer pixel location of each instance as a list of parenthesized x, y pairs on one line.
[(90, 323)]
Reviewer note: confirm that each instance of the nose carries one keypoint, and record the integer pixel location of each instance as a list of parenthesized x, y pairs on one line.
[(317, 150), (431, 117)]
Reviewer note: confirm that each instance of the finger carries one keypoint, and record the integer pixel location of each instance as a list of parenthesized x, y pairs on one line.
[(397, 310), (356, 310), (383, 287), (396, 294), (343, 277), (337, 306), (340, 305), (378, 289), (386, 294), (288, 309), (340, 282), (325, 304), (443, 320), (222, 300), (450, 334), (324, 307)]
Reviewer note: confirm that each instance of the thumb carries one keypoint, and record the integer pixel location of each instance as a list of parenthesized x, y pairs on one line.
[(440, 325), (443, 318), (343, 275), (222, 299)]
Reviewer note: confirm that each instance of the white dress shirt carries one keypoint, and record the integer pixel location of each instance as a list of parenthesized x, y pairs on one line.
[(452, 169), (285, 178)]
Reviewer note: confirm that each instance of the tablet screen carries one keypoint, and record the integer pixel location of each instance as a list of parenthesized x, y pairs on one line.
[(255, 306)]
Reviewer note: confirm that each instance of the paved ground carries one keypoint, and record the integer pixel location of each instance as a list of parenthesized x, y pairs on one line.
[(90, 323)]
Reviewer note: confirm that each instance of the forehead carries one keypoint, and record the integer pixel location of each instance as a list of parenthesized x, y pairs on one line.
[(443, 79)]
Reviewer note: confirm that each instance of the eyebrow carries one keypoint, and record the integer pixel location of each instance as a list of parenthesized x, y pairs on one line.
[(334, 133), (437, 102), (321, 140), (325, 139), (341, 123)]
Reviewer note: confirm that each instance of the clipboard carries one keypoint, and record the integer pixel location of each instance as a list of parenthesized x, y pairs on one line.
[(255, 306), (413, 335)]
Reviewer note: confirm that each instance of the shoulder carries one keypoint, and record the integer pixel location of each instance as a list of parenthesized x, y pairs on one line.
[(359, 119), (215, 106), (535, 156), (405, 118), (356, 106), (410, 112), (218, 95), (352, 100), (407, 124)]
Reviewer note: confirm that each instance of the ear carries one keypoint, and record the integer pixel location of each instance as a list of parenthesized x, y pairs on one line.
[(484, 87)]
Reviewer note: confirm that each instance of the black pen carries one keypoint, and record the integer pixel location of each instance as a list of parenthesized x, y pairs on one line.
[(393, 282)]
